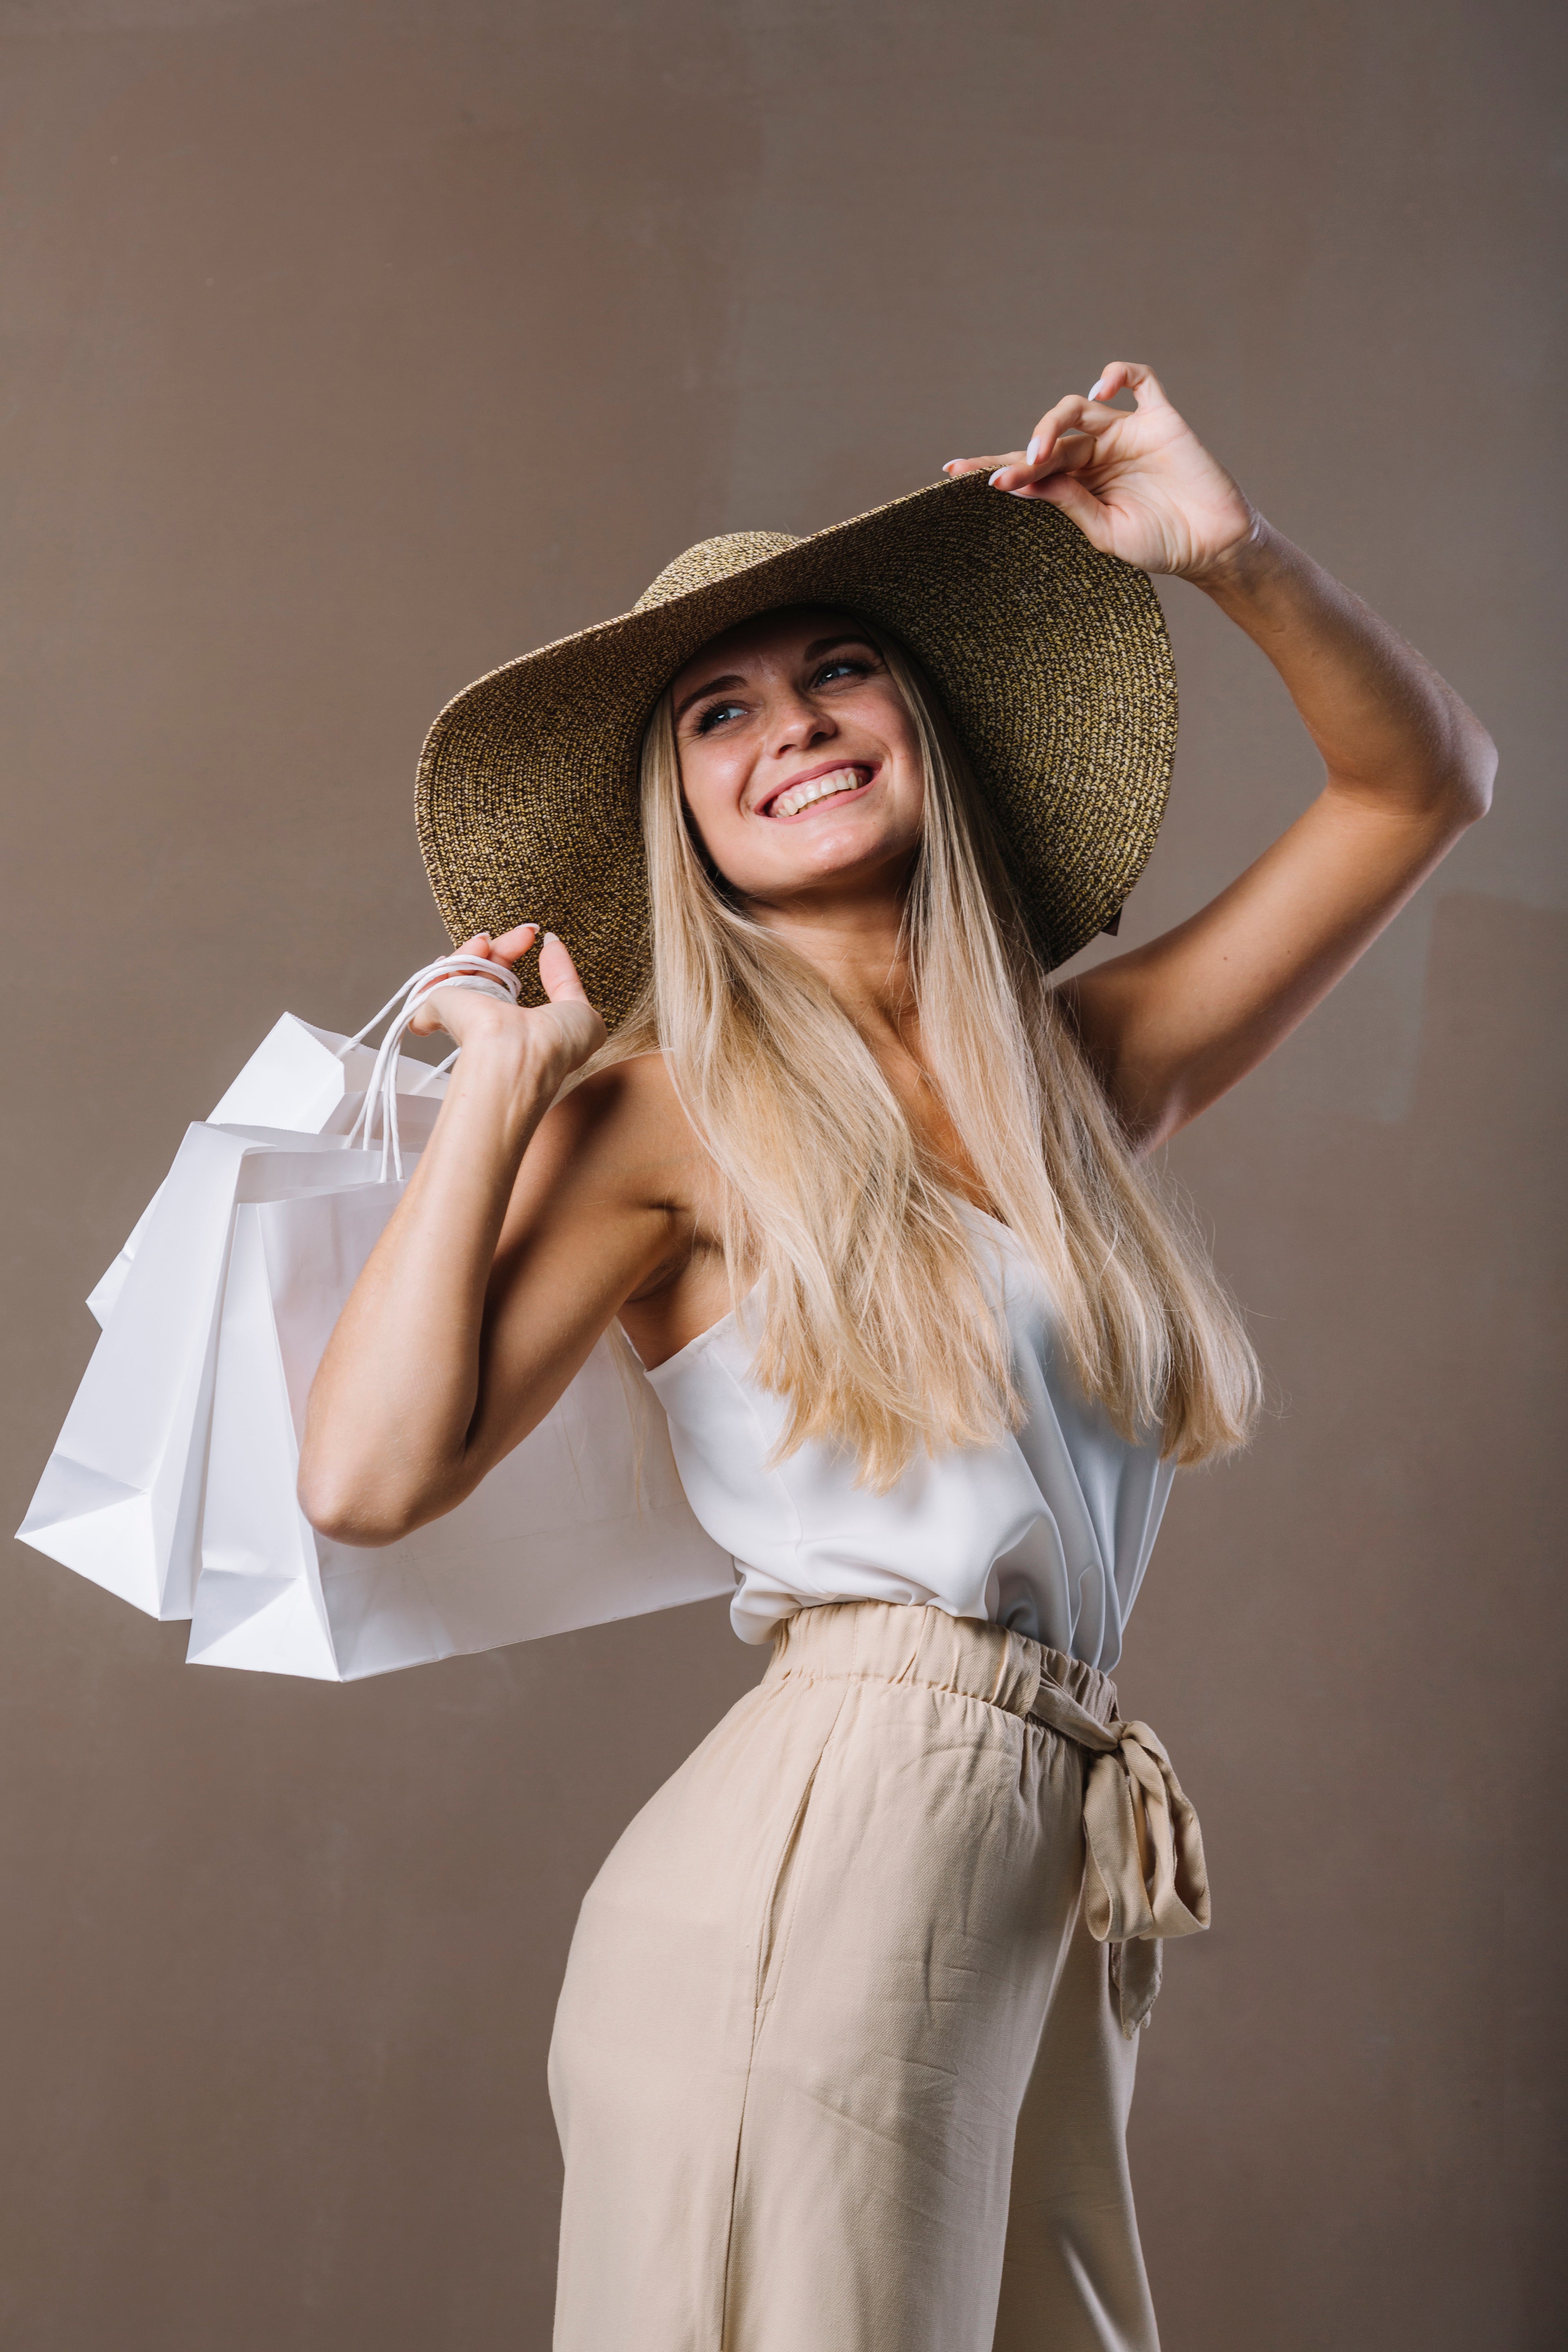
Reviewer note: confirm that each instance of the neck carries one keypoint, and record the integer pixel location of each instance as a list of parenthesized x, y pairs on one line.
[(853, 938)]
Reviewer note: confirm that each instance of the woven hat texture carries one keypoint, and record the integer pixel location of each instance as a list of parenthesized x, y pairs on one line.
[(1051, 660)]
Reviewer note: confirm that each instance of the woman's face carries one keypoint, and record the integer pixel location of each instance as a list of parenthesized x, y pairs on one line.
[(799, 762)]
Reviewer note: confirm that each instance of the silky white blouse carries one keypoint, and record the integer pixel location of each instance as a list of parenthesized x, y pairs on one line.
[(1049, 1531)]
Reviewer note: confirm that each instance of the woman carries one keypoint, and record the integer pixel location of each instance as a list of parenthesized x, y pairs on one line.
[(844, 2049)]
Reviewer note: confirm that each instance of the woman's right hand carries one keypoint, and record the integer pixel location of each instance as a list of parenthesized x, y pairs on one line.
[(565, 1031), (411, 1403)]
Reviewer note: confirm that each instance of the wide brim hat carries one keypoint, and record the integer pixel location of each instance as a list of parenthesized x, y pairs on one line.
[(1051, 660)]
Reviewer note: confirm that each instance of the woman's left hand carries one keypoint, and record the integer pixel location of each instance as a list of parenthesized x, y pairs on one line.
[(1139, 484)]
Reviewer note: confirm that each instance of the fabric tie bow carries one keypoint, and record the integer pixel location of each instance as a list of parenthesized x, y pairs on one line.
[(1146, 1878)]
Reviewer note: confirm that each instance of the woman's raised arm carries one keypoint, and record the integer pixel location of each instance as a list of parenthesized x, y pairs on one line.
[(1173, 1025), (487, 1289)]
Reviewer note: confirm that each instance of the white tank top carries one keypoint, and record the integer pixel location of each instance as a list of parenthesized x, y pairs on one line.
[(1047, 1530)]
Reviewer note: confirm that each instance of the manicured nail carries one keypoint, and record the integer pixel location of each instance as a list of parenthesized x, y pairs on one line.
[(1097, 387), (997, 476), (550, 935), (951, 464), (1033, 451)]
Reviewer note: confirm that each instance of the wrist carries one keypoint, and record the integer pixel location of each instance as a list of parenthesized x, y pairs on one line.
[(503, 1050), (1244, 564)]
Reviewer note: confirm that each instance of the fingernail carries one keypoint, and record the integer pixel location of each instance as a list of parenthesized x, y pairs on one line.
[(951, 464), (1097, 387), (1033, 451), (997, 476), (550, 935)]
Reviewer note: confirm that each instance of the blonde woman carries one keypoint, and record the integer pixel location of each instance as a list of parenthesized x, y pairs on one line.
[(844, 2054)]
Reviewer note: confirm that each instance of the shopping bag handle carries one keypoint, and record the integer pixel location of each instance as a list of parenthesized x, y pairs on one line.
[(447, 971)]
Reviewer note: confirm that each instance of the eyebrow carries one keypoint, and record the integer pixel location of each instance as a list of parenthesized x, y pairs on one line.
[(814, 651)]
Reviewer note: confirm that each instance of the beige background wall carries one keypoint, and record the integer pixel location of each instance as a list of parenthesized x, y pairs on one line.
[(353, 348)]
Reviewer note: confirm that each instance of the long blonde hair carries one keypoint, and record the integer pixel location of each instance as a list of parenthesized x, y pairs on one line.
[(876, 1323)]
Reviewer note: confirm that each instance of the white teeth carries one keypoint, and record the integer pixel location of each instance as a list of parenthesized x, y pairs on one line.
[(821, 788)]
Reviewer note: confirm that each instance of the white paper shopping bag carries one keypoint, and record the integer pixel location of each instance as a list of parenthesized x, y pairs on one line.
[(120, 1499), (314, 1080), (583, 1522), (173, 1482), (300, 1081)]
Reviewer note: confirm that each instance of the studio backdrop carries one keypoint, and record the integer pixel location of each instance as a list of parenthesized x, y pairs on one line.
[(357, 345)]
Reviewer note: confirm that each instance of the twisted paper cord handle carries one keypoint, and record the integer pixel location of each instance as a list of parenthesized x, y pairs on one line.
[(446, 972)]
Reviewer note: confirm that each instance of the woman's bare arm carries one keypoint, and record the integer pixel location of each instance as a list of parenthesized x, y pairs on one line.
[(1407, 766), (489, 1289)]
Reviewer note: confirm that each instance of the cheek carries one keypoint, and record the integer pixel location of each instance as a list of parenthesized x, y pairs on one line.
[(709, 793), (910, 771), (888, 723), (904, 741)]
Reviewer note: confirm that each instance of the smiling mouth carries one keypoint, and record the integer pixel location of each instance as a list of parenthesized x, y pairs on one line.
[(833, 785)]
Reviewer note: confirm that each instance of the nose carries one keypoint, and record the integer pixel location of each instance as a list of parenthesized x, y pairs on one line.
[(795, 723)]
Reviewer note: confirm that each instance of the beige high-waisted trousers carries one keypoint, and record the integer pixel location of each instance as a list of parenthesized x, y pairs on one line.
[(840, 2062)]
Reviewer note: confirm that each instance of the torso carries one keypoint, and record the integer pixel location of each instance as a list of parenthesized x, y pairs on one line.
[(1047, 1529), (689, 1291)]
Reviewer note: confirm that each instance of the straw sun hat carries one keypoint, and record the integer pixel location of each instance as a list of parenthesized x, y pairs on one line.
[(1051, 660)]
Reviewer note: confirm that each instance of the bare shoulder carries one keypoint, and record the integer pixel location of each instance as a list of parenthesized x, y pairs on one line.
[(622, 1132), (1097, 1008), (616, 1189), (1083, 1005)]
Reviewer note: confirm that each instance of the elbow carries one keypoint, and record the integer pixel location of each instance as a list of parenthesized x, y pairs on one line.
[(356, 1511), (365, 1487), (1473, 772), (346, 1519)]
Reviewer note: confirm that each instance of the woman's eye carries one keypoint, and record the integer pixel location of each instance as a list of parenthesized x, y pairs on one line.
[(713, 714), (845, 668)]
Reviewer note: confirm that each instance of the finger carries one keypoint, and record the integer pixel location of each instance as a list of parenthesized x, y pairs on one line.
[(507, 950), (1057, 451), (515, 943), (504, 949), (1068, 415), (1128, 375), (427, 1021), (558, 973), (1021, 460), (1079, 505), (956, 466), (1050, 427), (1072, 416), (1075, 412)]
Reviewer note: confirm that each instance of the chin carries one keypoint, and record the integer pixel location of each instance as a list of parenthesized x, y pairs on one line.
[(848, 853)]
